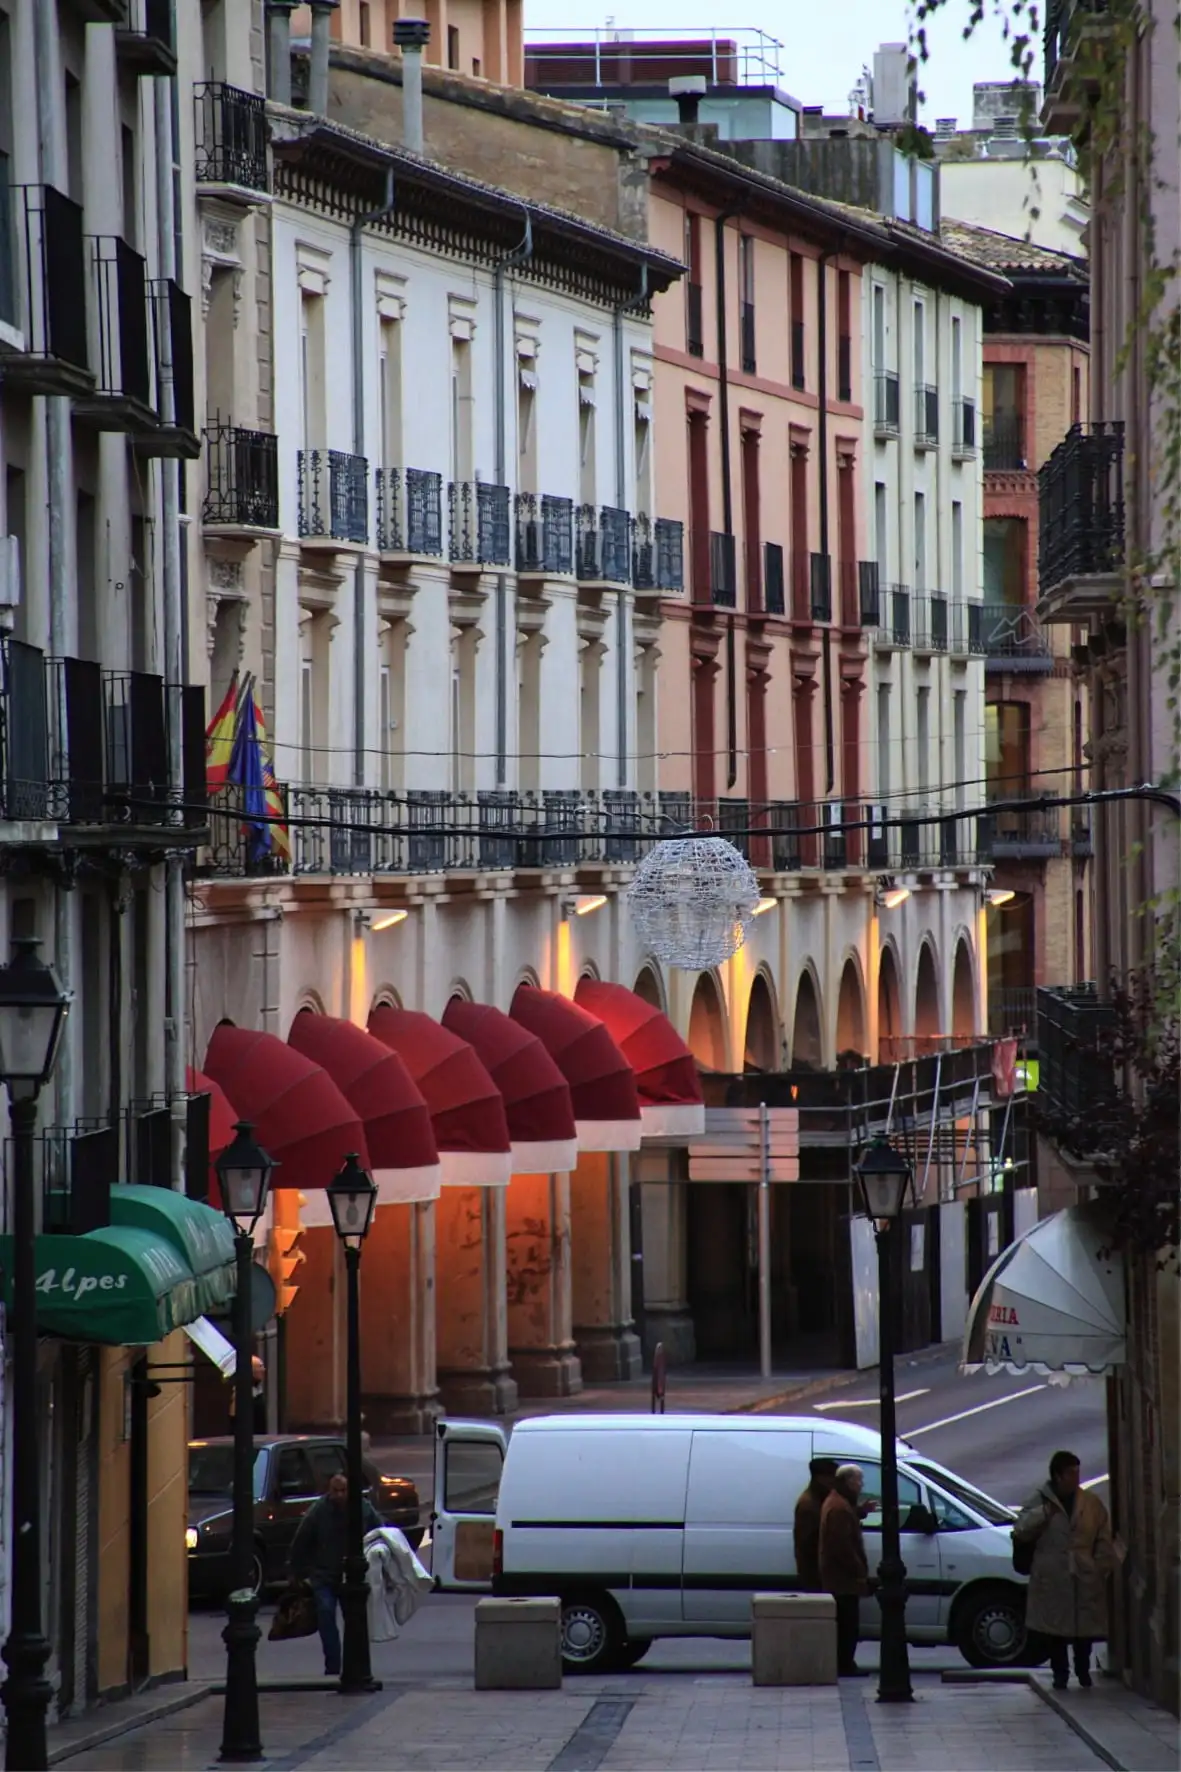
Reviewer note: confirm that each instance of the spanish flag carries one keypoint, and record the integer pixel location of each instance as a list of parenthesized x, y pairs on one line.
[(219, 738), (280, 835)]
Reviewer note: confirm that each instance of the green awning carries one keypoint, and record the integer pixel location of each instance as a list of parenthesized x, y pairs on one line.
[(163, 1262)]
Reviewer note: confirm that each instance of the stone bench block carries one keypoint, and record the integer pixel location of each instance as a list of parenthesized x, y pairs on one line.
[(793, 1640), (518, 1645)]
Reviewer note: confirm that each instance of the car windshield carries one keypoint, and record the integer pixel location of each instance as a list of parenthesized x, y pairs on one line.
[(211, 1471), (994, 1512)]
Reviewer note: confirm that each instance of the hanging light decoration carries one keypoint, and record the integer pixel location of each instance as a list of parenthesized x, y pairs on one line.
[(692, 900)]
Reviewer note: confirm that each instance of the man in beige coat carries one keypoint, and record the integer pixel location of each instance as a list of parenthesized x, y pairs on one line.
[(1072, 1558)]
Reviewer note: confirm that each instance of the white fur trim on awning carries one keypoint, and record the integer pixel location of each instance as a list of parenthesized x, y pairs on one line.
[(609, 1135), (476, 1168)]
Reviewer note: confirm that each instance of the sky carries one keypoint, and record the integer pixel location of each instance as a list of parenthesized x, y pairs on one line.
[(826, 42)]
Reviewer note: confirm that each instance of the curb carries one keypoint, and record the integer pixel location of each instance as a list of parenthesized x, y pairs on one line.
[(104, 1732), (1050, 1697)]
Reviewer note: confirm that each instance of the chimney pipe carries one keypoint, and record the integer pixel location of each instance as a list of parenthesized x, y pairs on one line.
[(279, 19), (688, 90), (322, 10), (411, 36)]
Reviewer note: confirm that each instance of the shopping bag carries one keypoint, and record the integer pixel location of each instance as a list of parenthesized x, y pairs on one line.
[(296, 1615)]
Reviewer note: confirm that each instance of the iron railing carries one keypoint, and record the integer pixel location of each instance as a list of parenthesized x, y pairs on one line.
[(963, 422), (333, 495), (47, 277), (1062, 18), (241, 477), (602, 544), (1014, 639), (119, 281), (1004, 441), (1081, 505), (240, 847), (424, 513), (694, 327), (479, 523), (658, 554), (894, 617), (172, 355), (10, 309), (886, 404), (774, 584), (1031, 834), (926, 415), (1012, 1009), (1076, 1066), (747, 328), (545, 533), (231, 136), (929, 624)]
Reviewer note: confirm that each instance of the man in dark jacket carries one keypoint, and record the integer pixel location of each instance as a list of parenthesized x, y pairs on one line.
[(317, 1556), (807, 1525), (844, 1571)]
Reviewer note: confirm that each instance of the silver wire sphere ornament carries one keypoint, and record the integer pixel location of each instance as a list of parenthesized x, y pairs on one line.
[(692, 901)]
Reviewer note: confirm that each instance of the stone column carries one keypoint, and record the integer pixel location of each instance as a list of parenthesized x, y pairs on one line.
[(399, 1390), (600, 1246), (537, 1245), (472, 1316), (314, 1338), (667, 1316)]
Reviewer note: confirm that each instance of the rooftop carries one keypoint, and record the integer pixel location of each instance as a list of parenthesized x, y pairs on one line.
[(1006, 254)]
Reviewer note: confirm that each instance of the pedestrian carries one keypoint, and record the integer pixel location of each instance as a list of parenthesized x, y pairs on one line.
[(258, 1396), (1073, 1555), (844, 1571), (317, 1557), (821, 1472)]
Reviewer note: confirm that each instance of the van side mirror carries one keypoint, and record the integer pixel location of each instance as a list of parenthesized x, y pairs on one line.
[(921, 1519)]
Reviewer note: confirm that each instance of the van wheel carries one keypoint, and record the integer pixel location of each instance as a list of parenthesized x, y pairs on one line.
[(592, 1635), (990, 1629)]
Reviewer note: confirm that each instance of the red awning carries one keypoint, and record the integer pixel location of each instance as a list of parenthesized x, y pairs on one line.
[(536, 1095), (375, 1082), (466, 1108), (300, 1117), (667, 1078), (222, 1119), (602, 1086)]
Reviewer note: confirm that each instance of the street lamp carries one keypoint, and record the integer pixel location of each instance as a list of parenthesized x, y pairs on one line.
[(244, 1174), (352, 1200), (33, 1009), (885, 1178)]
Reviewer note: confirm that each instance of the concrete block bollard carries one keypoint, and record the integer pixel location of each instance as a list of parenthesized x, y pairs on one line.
[(793, 1640), (518, 1645)]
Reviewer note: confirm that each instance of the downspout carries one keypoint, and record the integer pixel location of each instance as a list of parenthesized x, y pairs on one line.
[(822, 396), (727, 499), (360, 660), (518, 256), (633, 305)]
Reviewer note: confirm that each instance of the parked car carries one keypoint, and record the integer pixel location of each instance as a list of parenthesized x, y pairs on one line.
[(665, 1525), (290, 1472)]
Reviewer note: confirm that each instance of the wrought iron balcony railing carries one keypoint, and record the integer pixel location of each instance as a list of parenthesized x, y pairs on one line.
[(886, 405), (1032, 834), (43, 278), (1004, 441), (658, 555), (963, 434), (333, 495), (1076, 1078), (408, 503), (145, 42), (929, 623), (1081, 506), (241, 478), (1014, 639), (1064, 18), (926, 416), (231, 137), (118, 287), (894, 619), (602, 544), (545, 534), (478, 523), (1012, 1009)]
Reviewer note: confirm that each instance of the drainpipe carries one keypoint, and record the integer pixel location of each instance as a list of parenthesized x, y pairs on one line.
[(633, 305), (727, 501), (411, 36), (279, 49), (822, 396), (518, 256), (356, 270), (322, 11)]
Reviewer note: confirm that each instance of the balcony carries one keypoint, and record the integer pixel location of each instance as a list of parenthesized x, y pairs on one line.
[(893, 629), (333, 496), (929, 624), (478, 523), (414, 524), (963, 431), (723, 574), (144, 42), (233, 849), (694, 329), (175, 433), (774, 583), (1076, 1079), (658, 555), (868, 593), (78, 1164), (545, 535), (820, 587), (1081, 522), (1014, 640), (43, 337), (241, 478), (231, 143), (602, 545), (1012, 1010), (1004, 442), (1032, 834), (886, 405), (121, 399), (1069, 73), (926, 416)]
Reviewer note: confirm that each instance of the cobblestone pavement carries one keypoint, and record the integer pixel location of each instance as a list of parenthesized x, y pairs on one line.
[(718, 1723)]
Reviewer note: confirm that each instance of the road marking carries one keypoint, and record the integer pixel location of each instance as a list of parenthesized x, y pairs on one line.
[(870, 1402), (912, 1433), (1094, 1482)]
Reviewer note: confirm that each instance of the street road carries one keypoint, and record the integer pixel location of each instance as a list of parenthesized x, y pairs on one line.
[(998, 1432)]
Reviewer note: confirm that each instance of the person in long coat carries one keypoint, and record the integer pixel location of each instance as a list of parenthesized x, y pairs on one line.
[(821, 1472), (844, 1572), (1072, 1558)]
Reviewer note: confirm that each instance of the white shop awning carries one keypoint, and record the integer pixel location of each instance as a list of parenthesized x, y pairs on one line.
[(213, 1344), (1051, 1301)]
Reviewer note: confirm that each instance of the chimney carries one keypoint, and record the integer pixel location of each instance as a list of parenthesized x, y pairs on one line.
[(322, 11), (688, 90), (411, 36), (279, 46)]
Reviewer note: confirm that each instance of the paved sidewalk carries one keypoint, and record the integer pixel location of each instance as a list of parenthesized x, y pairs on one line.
[(669, 1723), (1129, 1733)]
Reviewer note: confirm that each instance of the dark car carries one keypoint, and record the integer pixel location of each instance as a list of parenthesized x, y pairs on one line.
[(290, 1472)]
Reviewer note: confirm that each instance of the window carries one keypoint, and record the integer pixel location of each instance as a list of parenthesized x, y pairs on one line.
[(984, 1505), (920, 343), (526, 429), (909, 1493), (74, 138), (1006, 747), (957, 550), (920, 542), (923, 740), (307, 698), (471, 1481), (586, 437), (746, 288), (130, 207), (957, 360), (1003, 415), (385, 725), (694, 325), (589, 696), (879, 326), (326, 1462), (880, 533), (461, 409), (959, 765), (883, 739), (1004, 560), (364, 25), (311, 371), (796, 296), (642, 457), (844, 337), (389, 381), (294, 1473), (1076, 396)]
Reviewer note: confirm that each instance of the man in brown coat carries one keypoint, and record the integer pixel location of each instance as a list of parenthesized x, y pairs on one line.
[(807, 1524), (844, 1571)]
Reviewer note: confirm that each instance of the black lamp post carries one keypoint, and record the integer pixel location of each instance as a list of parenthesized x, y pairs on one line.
[(884, 1175), (352, 1199), (33, 1009), (244, 1173)]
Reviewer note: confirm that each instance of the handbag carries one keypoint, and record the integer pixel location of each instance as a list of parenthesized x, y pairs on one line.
[(1023, 1549), (296, 1615)]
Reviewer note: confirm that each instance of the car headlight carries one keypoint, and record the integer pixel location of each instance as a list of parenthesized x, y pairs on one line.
[(190, 1538)]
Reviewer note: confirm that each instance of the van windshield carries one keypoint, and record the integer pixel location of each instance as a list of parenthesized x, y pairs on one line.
[(994, 1512)]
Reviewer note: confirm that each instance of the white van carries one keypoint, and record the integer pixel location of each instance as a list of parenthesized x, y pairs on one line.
[(664, 1526)]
